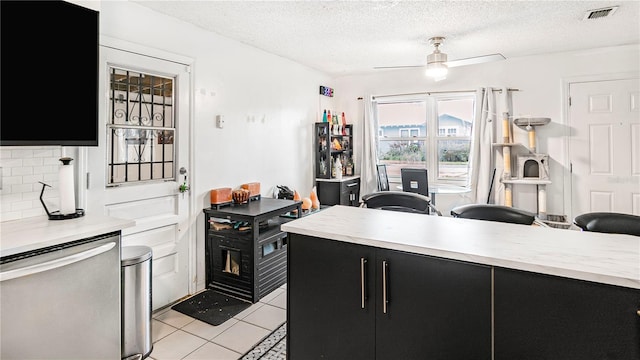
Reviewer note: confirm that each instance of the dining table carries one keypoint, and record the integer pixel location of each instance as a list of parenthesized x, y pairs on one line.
[(438, 188)]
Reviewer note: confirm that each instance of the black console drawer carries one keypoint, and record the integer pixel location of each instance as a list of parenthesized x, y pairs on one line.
[(339, 192)]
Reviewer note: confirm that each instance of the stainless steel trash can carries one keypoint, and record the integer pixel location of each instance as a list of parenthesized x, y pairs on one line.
[(136, 301)]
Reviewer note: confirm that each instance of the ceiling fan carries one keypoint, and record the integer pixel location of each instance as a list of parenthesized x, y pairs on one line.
[(437, 64)]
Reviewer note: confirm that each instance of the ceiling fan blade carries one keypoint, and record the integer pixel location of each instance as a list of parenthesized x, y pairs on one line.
[(398, 67), (475, 60), (453, 63)]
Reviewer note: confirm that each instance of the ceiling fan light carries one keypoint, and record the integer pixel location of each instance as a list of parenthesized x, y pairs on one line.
[(436, 70)]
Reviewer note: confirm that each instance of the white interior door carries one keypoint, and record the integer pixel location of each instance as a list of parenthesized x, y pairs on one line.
[(604, 151), (134, 173)]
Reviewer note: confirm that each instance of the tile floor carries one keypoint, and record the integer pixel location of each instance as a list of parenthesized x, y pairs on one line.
[(177, 336)]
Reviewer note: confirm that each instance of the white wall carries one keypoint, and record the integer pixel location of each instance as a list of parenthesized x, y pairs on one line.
[(269, 105), (540, 79)]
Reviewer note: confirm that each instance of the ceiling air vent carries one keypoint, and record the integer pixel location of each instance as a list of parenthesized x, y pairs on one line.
[(600, 13)]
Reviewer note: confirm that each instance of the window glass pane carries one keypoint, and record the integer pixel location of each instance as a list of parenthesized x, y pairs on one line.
[(141, 128), (455, 116), (397, 154), (453, 159), (396, 119), (402, 120), (117, 173), (403, 151), (455, 120)]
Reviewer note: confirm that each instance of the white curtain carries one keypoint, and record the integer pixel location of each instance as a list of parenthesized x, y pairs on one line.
[(483, 136), (369, 159)]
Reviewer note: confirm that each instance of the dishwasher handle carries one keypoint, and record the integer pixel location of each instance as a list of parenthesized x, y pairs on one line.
[(54, 264)]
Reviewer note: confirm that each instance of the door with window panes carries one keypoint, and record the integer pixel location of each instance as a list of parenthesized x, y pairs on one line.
[(135, 172), (426, 131)]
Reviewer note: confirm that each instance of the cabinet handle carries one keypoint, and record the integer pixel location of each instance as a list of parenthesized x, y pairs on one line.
[(353, 184), (638, 312), (385, 282), (363, 280)]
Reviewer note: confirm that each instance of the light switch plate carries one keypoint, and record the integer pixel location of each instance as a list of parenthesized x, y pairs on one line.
[(219, 121)]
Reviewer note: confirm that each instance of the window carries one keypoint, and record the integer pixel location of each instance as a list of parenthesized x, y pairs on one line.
[(408, 140), (140, 129), (409, 132)]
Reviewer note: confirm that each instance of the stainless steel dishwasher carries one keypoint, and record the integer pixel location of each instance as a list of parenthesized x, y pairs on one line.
[(62, 302)]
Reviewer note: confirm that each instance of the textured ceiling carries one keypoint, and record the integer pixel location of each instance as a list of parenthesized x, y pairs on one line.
[(349, 37)]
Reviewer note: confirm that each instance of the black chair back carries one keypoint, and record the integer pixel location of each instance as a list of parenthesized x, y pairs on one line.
[(609, 222), (383, 180), (415, 180), (397, 201), (493, 212)]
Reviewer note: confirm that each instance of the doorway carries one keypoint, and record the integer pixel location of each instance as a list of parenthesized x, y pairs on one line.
[(140, 170), (604, 146)]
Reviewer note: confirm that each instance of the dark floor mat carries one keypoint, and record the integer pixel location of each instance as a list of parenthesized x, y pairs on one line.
[(211, 307)]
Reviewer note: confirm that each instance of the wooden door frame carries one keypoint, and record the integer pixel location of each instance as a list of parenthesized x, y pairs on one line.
[(83, 155), (566, 84)]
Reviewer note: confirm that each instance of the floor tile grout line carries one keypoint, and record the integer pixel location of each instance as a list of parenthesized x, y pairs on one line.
[(212, 339), (175, 329), (237, 319), (162, 311)]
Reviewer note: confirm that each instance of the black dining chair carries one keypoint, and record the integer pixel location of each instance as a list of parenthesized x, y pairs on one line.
[(494, 212), (399, 201), (383, 180), (416, 181), (609, 222)]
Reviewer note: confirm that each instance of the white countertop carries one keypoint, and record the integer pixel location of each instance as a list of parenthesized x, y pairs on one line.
[(28, 234), (605, 258)]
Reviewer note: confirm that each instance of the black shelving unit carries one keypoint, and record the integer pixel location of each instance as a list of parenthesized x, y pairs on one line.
[(333, 142)]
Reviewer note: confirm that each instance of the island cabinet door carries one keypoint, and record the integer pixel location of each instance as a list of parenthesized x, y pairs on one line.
[(431, 308), (548, 317), (330, 304)]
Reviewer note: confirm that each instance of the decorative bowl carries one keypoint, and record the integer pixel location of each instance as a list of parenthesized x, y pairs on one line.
[(240, 196)]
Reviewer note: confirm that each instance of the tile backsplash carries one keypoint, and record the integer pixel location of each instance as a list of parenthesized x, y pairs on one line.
[(23, 167)]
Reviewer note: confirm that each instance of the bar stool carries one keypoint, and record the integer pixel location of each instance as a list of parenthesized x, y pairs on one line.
[(493, 212), (609, 222), (399, 201)]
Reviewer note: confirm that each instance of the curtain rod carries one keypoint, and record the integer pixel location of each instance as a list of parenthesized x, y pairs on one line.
[(441, 92)]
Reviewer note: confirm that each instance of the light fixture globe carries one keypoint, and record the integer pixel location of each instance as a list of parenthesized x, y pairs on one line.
[(436, 70)]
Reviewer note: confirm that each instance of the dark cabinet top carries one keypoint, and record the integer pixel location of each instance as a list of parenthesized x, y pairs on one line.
[(265, 207)]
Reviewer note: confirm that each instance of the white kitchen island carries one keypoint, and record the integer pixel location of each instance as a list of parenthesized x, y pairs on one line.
[(416, 286)]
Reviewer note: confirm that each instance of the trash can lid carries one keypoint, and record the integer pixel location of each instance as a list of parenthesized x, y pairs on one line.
[(135, 254)]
